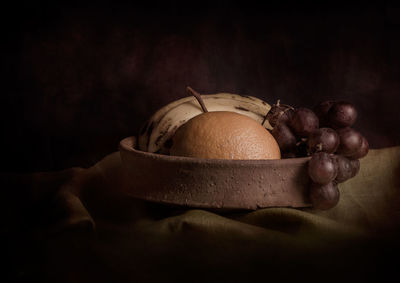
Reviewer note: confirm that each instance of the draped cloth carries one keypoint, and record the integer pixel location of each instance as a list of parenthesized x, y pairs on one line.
[(76, 225)]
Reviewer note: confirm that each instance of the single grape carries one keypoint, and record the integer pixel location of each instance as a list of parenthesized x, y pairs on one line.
[(342, 114), (323, 139), (284, 136), (321, 110), (345, 169), (350, 142), (303, 122), (324, 196), (279, 113), (363, 151), (322, 168), (355, 167)]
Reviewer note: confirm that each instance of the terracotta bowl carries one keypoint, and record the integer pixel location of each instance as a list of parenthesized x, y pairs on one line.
[(214, 183)]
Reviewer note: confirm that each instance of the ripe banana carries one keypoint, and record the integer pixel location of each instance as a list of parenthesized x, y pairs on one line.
[(148, 127), (159, 129)]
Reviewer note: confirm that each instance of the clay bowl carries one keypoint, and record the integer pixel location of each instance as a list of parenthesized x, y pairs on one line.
[(214, 183)]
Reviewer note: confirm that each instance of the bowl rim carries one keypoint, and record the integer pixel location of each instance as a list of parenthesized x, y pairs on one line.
[(128, 144)]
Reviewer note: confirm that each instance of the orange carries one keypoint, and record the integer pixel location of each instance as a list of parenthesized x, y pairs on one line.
[(224, 135)]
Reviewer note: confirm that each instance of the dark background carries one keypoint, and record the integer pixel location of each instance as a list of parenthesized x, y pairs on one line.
[(77, 78)]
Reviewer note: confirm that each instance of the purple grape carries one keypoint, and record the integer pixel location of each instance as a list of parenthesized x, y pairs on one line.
[(363, 151), (279, 113), (322, 168), (284, 136), (323, 139), (345, 169), (303, 122), (324, 196), (350, 142), (321, 110), (342, 114)]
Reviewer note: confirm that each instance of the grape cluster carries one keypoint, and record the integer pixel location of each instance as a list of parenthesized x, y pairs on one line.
[(325, 133)]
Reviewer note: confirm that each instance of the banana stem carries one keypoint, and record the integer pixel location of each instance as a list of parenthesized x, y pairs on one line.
[(198, 97)]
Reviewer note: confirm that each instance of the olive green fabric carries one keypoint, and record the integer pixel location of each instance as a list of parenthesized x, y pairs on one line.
[(100, 235)]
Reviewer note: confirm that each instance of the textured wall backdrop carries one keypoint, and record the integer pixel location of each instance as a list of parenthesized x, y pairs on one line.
[(77, 79)]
